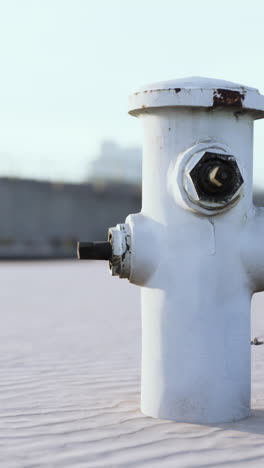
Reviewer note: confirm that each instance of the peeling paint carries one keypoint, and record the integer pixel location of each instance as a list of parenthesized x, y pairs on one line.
[(227, 98)]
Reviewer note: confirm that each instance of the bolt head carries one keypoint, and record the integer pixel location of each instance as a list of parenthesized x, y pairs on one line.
[(213, 181)]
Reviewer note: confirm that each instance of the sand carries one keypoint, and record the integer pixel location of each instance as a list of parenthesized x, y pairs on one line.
[(70, 379)]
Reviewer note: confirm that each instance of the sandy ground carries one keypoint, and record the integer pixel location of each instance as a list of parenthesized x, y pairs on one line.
[(70, 379)]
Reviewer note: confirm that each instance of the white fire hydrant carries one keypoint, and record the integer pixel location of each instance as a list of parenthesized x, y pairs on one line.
[(196, 248)]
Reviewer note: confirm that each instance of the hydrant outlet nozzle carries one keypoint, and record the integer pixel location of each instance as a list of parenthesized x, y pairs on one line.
[(117, 250), (94, 250)]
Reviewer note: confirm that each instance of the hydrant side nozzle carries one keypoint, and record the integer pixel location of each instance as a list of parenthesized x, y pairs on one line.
[(101, 250), (120, 239)]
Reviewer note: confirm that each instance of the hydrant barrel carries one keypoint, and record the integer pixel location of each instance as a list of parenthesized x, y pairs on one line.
[(195, 287)]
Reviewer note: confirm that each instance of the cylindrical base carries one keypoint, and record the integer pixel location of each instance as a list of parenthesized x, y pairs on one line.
[(196, 352), (193, 418)]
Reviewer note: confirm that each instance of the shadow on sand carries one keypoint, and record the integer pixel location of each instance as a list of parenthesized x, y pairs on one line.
[(254, 424)]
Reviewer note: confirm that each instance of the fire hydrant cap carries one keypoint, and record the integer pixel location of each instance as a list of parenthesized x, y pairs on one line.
[(197, 92)]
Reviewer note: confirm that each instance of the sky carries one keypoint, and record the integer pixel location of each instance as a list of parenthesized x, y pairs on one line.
[(67, 67)]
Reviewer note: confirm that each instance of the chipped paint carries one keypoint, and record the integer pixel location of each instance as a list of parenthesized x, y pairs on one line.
[(228, 98)]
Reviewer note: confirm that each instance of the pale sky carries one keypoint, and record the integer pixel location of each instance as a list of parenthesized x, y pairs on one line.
[(67, 67)]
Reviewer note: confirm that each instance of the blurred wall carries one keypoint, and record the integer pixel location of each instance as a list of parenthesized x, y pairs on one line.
[(42, 219)]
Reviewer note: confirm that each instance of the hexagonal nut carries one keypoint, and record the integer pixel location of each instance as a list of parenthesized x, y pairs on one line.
[(120, 240), (213, 180)]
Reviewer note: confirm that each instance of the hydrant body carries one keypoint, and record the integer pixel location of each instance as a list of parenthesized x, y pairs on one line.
[(196, 248), (196, 301)]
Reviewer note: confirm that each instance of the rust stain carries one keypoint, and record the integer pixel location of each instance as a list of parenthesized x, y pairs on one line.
[(228, 98), (238, 113), (176, 90)]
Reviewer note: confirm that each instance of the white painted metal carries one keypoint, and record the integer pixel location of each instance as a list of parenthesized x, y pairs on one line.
[(197, 272)]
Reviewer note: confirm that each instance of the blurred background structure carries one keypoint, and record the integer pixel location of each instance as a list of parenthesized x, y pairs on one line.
[(116, 164), (45, 219)]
